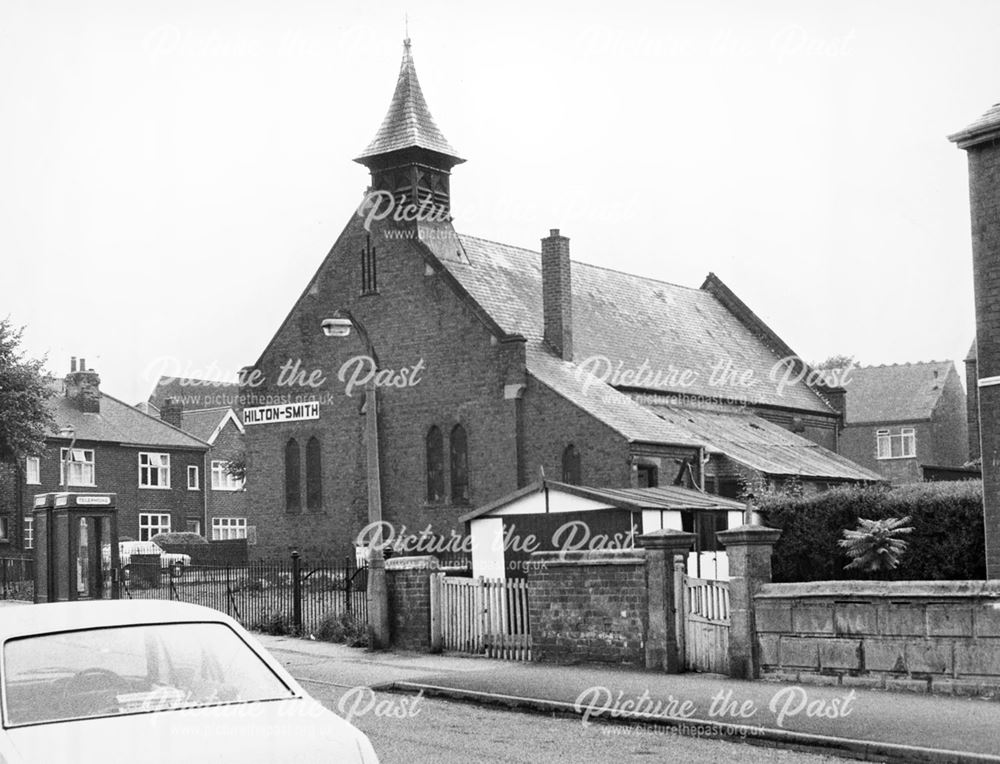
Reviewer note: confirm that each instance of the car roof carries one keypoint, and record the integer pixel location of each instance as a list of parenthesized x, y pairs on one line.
[(27, 619)]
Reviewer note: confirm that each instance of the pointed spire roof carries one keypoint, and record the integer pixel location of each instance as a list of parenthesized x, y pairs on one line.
[(408, 123)]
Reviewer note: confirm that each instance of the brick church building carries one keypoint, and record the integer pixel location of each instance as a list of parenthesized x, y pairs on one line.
[(496, 362)]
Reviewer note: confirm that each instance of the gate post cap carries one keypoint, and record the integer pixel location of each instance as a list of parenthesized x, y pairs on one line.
[(749, 535), (666, 538)]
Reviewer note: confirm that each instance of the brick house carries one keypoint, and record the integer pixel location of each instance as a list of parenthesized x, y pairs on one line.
[(903, 419), (187, 403), (156, 470), (496, 362)]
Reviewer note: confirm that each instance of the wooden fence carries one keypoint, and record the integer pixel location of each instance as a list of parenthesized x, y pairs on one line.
[(482, 616)]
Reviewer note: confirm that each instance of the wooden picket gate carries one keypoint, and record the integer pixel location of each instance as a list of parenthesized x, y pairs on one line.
[(482, 616), (704, 627)]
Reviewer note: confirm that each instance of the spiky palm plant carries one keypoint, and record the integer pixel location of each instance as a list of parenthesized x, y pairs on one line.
[(874, 547)]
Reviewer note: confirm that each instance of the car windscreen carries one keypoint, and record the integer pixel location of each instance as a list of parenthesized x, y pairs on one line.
[(131, 669)]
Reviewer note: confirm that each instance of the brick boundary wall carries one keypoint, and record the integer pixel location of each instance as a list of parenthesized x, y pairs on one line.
[(933, 636), (408, 581), (588, 607)]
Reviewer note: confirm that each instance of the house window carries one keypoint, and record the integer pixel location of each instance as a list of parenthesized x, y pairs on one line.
[(152, 523), (192, 477), (314, 476), (81, 466), (647, 476), (4, 528), (369, 270), (226, 528), (571, 465), (33, 470), (459, 466), (193, 526), (154, 470), (221, 479), (900, 445), (434, 448), (705, 525), (293, 471), (29, 533)]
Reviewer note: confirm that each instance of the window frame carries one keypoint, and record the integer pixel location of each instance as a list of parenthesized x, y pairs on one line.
[(158, 468), (192, 469), (147, 527), (434, 465), (219, 468), (32, 464), (898, 445), (29, 533), (458, 464), (84, 463), (225, 525)]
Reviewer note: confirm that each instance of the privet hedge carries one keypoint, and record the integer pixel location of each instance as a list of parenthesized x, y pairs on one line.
[(946, 543)]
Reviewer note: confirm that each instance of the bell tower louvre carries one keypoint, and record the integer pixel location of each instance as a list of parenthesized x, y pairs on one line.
[(409, 157)]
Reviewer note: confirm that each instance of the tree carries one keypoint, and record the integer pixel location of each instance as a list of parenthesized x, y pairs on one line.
[(835, 362), (24, 414), (873, 546)]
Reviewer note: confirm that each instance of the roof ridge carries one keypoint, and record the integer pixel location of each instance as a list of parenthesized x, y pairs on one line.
[(583, 263)]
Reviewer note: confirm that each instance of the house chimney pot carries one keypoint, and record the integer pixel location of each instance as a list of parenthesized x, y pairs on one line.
[(557, 294), (83, 388)]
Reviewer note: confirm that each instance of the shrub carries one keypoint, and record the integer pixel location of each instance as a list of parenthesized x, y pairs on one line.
[(873, 546), (178, 537), (946, 543), (275, 624), (343, 627)]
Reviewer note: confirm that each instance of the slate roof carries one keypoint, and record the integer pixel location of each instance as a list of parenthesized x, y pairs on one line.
[(408, 123), (661, 497), (615, 409), (630, 319), (896, 392), (195, 393), (117, 423), (203, 423), (984, 128), (759, 444)]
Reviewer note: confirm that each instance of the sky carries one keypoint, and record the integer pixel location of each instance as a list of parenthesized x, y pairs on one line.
[(173, 173)]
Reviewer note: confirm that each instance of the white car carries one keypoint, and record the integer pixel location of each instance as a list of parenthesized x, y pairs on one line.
[(154, 681), (128, 548)]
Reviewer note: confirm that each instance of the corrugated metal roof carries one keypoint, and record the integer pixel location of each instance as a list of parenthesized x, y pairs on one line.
[(630, 322), (895, 393), (760, 444), (408, 123)]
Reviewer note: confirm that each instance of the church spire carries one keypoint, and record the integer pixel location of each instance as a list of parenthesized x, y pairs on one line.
[(409, 151)]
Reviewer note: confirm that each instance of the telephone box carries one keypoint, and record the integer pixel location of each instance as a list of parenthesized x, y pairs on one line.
[(76, 546)]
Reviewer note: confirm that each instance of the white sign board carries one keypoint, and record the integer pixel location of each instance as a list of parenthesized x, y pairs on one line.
[(282, 412)]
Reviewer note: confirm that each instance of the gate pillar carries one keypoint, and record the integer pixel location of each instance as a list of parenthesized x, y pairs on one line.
[(749, 548), (662, 640)]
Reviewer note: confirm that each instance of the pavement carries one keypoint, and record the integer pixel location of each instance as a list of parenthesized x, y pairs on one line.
[(852, 722)]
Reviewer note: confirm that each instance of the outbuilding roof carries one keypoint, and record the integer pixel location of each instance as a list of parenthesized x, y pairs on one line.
[(661, 497), (758, 443)]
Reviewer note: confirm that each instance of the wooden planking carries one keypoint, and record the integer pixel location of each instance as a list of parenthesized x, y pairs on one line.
[(485, 617), (706, 624)]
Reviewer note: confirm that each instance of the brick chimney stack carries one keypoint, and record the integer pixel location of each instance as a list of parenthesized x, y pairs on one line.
[(172, 412), (981, 141), (557, 294), (83, 387)]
